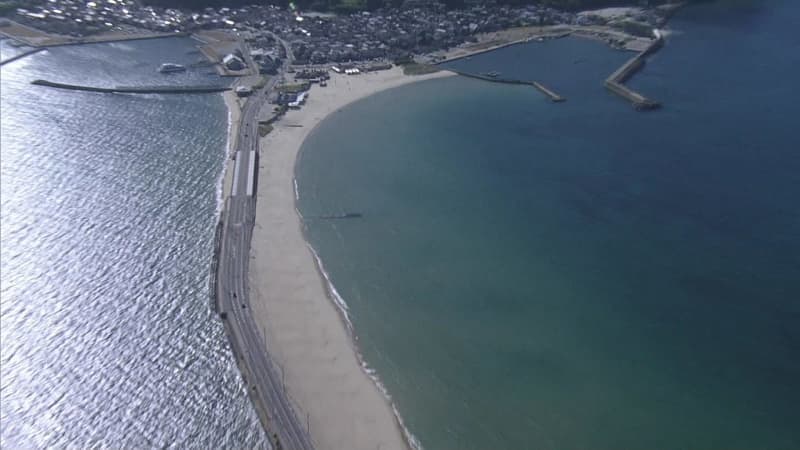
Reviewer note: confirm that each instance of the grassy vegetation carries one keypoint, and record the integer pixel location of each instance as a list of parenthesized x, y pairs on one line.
[(264, 129), (415, 68), (293, 88), (636, 28), (346, 6)]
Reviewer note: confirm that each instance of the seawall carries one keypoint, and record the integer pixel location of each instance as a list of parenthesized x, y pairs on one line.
[(470, 53), (539, 86), (21, 55), (135, 90), (35, 37), (615, 81), (555, 98), (100, 39)]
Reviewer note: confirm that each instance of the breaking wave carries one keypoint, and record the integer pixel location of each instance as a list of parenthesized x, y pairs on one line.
[(344, 311)]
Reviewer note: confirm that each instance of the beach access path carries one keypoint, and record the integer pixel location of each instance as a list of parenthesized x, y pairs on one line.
[(305, 332)]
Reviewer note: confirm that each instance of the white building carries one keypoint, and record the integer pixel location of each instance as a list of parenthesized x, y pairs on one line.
[(243, 91), (301, 98), (233, 62)]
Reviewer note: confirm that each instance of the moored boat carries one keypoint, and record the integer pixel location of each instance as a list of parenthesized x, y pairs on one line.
[(170, 67)]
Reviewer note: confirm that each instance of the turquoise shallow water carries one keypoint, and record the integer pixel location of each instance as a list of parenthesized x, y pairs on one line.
[(571, 276)]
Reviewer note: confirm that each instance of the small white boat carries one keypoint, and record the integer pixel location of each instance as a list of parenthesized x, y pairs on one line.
[(170, 67)]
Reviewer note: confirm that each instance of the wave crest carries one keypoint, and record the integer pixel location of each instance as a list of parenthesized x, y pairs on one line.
[(344, 309)]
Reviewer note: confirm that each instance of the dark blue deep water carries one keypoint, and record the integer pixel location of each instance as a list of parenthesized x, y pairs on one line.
[(580, 275)]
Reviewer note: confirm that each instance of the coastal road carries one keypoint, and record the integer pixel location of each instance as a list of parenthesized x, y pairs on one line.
[(260, 373), (246, 170)]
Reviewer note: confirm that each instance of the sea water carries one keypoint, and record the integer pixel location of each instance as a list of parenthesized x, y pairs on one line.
[(529, 275), (109, 204)]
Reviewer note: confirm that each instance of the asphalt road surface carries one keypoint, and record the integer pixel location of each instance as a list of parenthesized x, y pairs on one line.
[(261, 374)]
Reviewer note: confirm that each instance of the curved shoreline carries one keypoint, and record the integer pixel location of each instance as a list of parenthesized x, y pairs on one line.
[(342, 307), (343, 402)]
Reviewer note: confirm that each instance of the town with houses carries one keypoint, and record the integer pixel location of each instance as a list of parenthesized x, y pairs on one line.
[(416, 28), (300, 48)]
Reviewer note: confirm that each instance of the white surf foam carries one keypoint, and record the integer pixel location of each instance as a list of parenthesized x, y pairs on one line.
[(221, 178), (344, 309), (337, 299)]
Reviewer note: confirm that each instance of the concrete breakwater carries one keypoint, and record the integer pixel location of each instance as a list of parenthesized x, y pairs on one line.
[(102, 39), (615, 82), (539, 86), (21, 55), (555, 98), (135, 89), (497, 46), (35, 37)]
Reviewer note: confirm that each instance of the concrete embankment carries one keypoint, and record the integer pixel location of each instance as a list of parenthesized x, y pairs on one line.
[(117, 38), (217, 44), (492, 47), (615, 82), (555, 98), (213, 57), (539, 86), (135, 89), (35, 37), (21, 55), (212, 282)]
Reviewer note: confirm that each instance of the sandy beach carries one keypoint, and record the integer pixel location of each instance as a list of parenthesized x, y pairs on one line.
[(305, 332)]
